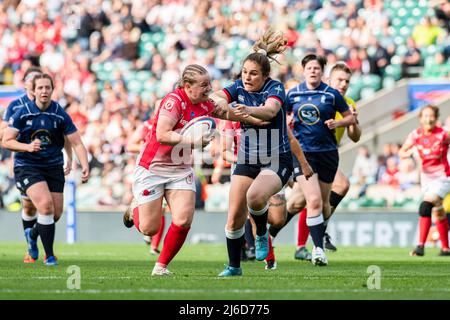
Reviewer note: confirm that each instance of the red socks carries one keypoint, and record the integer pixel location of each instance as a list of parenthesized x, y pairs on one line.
[(156, 239), (173, 242), (442, 227), (303, 230), (424, 228), (271, 255), (136, 218)]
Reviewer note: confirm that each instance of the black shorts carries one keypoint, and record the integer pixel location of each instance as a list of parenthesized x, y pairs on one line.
[(27, 176), (325, 164), (282, 166)]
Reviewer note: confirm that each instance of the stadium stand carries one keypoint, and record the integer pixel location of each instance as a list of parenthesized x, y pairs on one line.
[(112, 60)]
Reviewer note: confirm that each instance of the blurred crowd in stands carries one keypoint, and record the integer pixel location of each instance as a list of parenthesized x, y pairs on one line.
[(113, 59)]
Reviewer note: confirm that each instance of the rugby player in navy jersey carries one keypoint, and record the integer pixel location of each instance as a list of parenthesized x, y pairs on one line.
[(37, 134), (314, 105), (28, 213), (264, 162)]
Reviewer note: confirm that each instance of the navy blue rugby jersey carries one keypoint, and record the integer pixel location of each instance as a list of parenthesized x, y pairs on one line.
[(260, 144), (50, 126), (311, 109), (14, 106)]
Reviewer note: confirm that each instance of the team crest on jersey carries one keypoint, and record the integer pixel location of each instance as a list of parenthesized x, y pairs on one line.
[(44, 136), (322, 100), (241, 98), (168, 105), (309, 114), (278, 89)]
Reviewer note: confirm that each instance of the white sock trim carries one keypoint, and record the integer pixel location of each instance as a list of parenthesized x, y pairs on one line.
[(45, 219), (26, 217), (258, 212), (314, 221), (235, 234)]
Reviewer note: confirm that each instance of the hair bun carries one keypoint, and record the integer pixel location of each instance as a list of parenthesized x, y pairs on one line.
[(262, 51)]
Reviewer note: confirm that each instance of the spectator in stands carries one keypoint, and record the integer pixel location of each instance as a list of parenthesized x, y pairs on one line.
[(307, 36), (368, 64), (427, 33), (380, 55), (381, 167), (329, 37), (412, 58), (407, 175), (353, 61), (442, 12), (439, 68), (390, 175), (111, 56), (365, 167)]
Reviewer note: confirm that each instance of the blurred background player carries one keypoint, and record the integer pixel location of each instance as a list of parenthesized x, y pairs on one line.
[(314, 105), (28, 213), (134, 145), (339, 79), (431, 143), (37, 133)]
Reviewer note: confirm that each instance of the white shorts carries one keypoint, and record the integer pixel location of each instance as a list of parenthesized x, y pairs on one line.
[(148, 186), (437, 186)]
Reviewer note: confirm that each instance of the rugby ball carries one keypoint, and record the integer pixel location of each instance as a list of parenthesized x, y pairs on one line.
[(200, 126)]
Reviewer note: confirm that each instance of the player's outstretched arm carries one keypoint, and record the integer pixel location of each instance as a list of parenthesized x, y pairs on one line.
[(81, 153), (225, 112), (265, 112)]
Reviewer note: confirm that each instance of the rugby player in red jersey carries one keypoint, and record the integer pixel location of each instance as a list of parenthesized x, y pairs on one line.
[(431, 143)]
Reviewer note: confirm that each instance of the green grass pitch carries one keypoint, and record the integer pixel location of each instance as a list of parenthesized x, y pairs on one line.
[(122, 271)]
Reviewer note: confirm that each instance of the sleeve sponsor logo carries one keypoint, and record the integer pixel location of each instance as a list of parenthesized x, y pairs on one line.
[(168, 105)]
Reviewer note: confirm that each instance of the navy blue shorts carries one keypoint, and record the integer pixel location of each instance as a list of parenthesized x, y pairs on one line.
[(282, 166), (325, 164), (27, 176)]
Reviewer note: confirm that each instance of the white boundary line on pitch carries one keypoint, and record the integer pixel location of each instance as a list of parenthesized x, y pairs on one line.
[(144, 290)]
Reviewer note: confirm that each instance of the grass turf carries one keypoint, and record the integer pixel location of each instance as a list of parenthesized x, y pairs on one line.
[(122, 271)]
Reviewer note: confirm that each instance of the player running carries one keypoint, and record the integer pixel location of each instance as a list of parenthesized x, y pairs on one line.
[(134, 145), (36, 133), (431, 143), (231, 133), (264, 162), (314, 105), (339, 79), (28, 213), (164, 171)]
